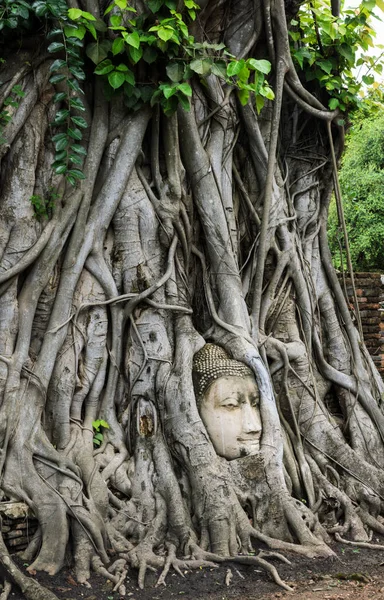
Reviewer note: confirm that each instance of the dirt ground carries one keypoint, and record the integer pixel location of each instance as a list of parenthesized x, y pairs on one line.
[(355, 574)]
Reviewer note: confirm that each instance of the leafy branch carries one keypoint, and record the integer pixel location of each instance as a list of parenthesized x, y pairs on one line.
[(327, 49)]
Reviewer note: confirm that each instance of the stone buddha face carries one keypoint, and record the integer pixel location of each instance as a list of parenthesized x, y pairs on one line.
[(228, 401)]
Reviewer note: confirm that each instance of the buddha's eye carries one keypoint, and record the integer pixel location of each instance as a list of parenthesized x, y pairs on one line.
[(229, 403), (254, 401)]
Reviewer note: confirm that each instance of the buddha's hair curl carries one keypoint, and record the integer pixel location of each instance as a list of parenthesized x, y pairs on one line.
[(212, 362)]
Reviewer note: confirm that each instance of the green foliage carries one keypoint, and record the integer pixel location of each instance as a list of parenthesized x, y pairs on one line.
[(156, 43), (362, 183), (14, 14), (98, 427), (11, 102), (43, 206), (328, 50), (161, 37)]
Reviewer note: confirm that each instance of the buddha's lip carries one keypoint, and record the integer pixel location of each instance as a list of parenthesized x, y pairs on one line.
[(252, 440)]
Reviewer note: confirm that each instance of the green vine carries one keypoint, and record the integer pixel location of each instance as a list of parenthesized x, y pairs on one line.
[(43, 206), (10, 103)]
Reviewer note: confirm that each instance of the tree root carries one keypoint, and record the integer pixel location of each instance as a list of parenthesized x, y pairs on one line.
[(7, 587), (358, 544), (31, 589), (271, 569)]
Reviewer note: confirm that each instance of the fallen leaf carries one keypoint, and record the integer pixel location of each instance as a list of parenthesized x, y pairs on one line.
[(71, 581)]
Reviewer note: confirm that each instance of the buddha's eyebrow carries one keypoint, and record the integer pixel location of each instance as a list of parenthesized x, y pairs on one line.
[(234, 396)]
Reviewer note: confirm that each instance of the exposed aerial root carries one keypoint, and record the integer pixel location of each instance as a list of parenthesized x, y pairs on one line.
[(271, 569), (358, 544), (7, 587), (315, 551)]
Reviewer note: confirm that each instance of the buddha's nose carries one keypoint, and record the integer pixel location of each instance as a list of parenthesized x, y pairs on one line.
[(251, 419)]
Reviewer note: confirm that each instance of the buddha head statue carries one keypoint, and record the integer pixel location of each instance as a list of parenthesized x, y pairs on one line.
[(228, 401)]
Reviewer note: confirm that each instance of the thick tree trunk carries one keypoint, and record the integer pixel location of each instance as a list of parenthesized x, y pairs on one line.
[(209, 225)]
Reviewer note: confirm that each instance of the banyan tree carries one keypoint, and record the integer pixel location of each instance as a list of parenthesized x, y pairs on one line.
[(182, 380)]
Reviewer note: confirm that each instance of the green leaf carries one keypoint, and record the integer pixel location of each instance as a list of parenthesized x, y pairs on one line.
[(267, 92), (92, 29), (116, 20), (117, 46), (40, 8), (98, 51), (130, 78), (59, 156), (295, 35), (59, 97), (200, 66), (104, 67), (76, 160), (149, 54), (116, 79), (61, 144), (55, 47), (325, 65), (185, 103), (175, 71), (59, 136), (219, 69), (168, 90), (132, 39), (263, 66), (146, 93), (74, 42), (333, 103), (53, 33), (135, 54), (78, 149), (165, 34), (76, 13), (155, 5), (76, 173), (346, 51), (77, 103), (74, 85), (235, 67), (77, 72), (368, 79), (243, 96), (100, 423), (57, 78), (185, 88), (259, 101), (170, 106), (75, 32), (74, 133), (57, 64), (60, 169), (61, 116), (79, 121)]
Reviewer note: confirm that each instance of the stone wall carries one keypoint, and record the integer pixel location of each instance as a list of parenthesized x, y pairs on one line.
[(18, 525), (370, 292)]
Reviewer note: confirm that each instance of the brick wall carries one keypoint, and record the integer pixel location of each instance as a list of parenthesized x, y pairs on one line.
[(370, 292)]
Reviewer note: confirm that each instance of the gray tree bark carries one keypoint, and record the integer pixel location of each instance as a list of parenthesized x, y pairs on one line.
[(207, 225)]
